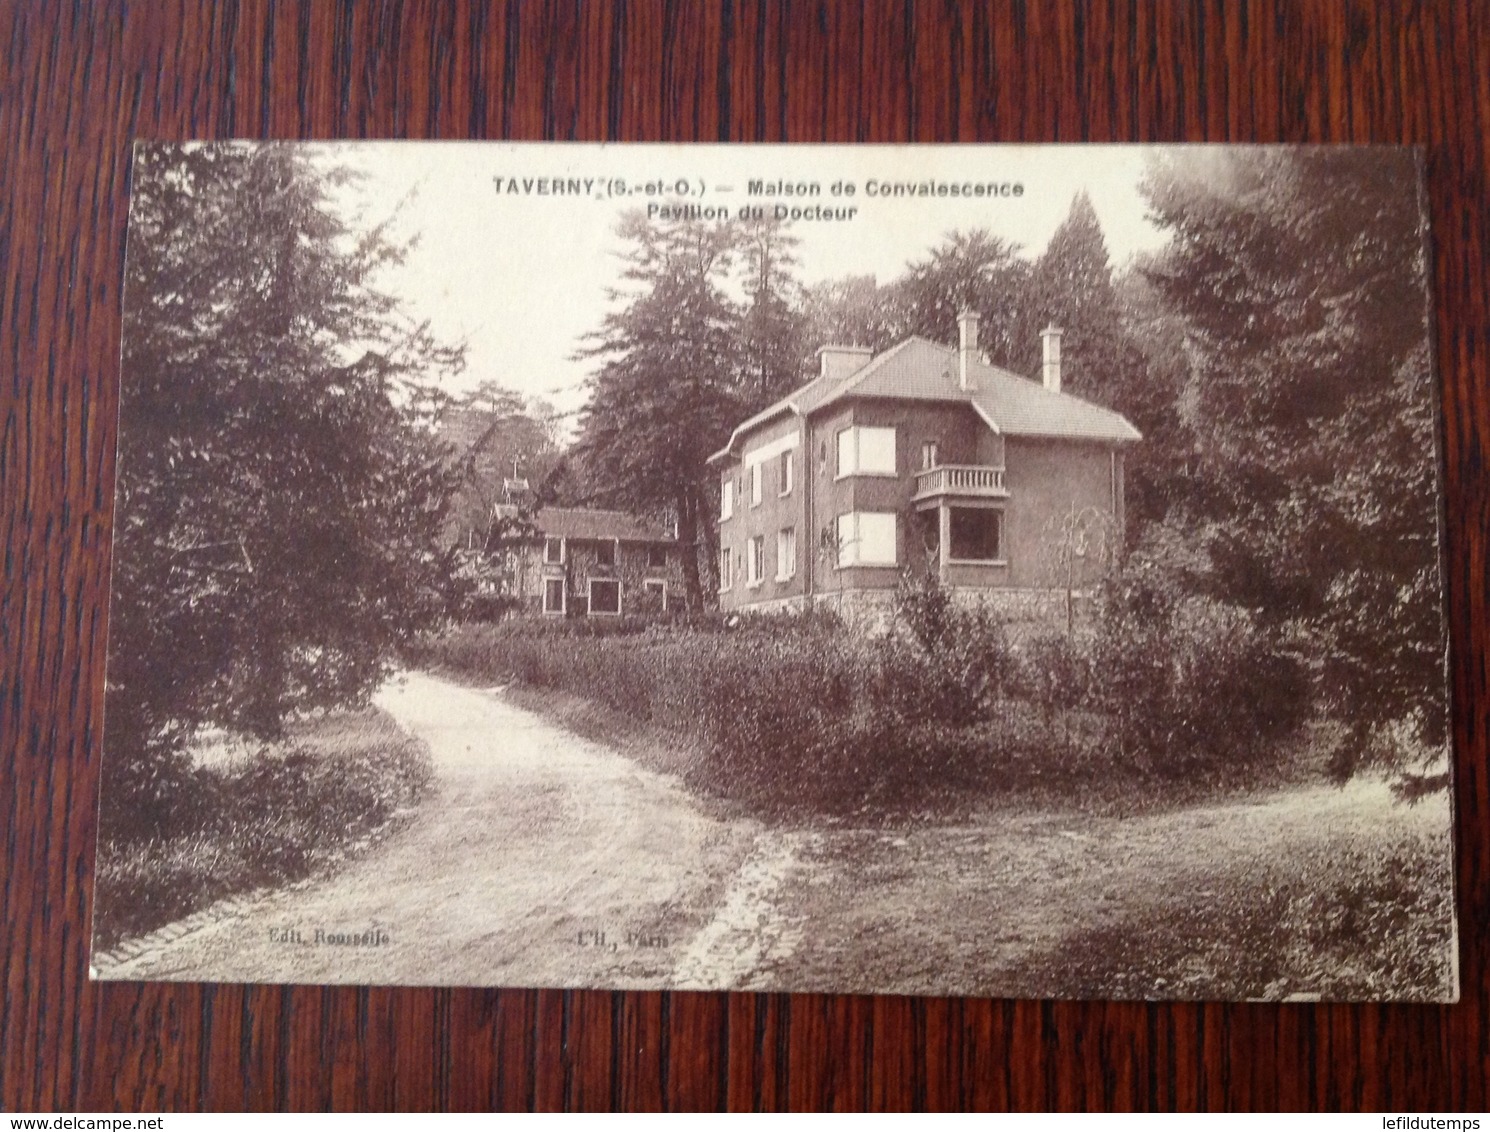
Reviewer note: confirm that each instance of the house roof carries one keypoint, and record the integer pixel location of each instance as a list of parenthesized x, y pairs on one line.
[(921, 370), (587, 523)]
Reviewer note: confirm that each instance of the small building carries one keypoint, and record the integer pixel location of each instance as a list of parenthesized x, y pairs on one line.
[(925, 457), (582, 562)]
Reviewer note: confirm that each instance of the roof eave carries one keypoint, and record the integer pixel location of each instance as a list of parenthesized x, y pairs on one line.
[(763, 417), (987, 419), (1076, 438)]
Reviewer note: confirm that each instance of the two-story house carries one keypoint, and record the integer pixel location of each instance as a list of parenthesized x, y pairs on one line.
[(583, 562), (924, 456), (523, 558)]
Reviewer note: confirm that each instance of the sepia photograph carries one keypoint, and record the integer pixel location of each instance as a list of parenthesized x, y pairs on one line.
[(1004, 571)]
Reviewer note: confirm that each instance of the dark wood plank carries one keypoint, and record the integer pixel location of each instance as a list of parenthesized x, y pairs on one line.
[(78, 82)]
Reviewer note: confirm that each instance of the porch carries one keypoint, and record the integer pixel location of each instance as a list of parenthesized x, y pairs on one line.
[(960, 513)]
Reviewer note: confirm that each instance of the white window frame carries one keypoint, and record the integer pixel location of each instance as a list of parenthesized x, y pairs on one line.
[(651, 585), (786, 554), (788, 467), (755, 484), (755, 562), (850, 541), (851, 451), (726, 571), (727, 498), (931, 454), (551, 540), (563, 597), (590, 594)]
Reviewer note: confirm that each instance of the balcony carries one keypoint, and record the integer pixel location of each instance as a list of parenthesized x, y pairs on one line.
[(963, 481)]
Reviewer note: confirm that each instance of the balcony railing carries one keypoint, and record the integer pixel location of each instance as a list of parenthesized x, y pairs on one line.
[(967, 480)]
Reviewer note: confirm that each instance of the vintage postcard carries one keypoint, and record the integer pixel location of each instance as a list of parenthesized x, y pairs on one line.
[(956, 570)]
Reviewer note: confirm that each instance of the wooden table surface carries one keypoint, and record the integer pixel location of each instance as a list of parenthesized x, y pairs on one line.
[(79, 81)]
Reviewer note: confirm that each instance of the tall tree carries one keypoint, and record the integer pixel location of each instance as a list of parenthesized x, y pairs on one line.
[(498, 439), (1147, 379), (1301, 279), (968, 270), (1071, 286), (852, 311), (667, 390), (772, 327), (280, 485)]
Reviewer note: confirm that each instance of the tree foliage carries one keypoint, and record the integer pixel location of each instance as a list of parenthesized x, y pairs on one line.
[(1149, 384), (668, 389), (1300, 278), (772, 325), (1071, 286), (852, 311), (280, 489), (498, 440), (969, 270)]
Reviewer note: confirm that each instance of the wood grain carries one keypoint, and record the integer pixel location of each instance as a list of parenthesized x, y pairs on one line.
[(78, 82)]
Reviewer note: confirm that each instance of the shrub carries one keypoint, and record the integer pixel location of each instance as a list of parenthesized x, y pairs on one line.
[(147, 793), (799, 712), (783, 712), (1193, 682), (280, 815), (949, 664), (1053, 672), (925, 608)]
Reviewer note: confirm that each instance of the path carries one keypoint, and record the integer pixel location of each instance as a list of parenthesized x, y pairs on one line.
[(541, 860)]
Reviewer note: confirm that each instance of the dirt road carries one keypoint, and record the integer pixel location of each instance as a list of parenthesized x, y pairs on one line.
[(541, 860)]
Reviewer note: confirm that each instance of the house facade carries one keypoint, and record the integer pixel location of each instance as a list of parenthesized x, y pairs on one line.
[(581, 562), (578, 562), (924, 457)]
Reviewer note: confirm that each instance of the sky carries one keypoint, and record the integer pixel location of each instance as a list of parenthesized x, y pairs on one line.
[(520, 275)]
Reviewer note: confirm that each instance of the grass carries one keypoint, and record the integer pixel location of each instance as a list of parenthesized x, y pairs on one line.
[(274, 815), (1367, 918), (1307, 892)]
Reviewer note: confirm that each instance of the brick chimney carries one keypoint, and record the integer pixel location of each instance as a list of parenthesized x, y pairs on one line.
[(967, 347), (839, 362), (1050, 339)]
